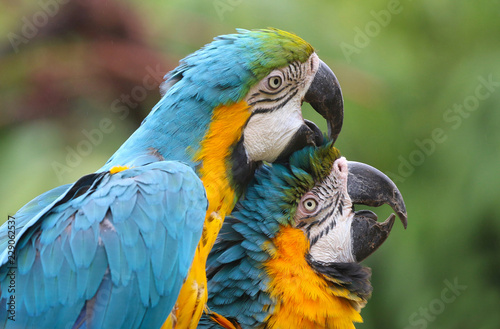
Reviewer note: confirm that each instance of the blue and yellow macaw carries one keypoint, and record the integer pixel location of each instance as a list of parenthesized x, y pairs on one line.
[(126, 246), (288, 256)]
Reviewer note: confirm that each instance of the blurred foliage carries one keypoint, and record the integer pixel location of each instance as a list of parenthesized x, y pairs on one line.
[(403, 82)]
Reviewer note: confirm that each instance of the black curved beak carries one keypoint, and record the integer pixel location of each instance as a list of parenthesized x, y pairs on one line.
[(308, 134), (369, 186), (325, 96)]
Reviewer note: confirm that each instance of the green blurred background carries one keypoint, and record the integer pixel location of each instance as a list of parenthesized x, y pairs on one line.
[(421, 82)]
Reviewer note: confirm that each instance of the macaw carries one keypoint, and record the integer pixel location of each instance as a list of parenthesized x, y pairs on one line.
[(126, 246), (288, 256)]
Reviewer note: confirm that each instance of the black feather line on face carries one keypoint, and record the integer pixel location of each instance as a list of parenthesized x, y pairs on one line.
[(292, 75), (318, 223), (321, 218), (270, 100), (352, 276), (280, 105)]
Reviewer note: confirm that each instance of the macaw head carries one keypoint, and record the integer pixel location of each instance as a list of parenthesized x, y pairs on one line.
[(253, 84), (290, 254)]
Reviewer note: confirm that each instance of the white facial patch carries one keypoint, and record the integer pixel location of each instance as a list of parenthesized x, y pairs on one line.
[(276, 105), (267, 134), (336, 246), (330, 230)]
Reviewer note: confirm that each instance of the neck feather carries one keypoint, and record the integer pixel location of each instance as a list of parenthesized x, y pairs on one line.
[(190, 130), (172, 131), (215, 172), (305, 299), (223, 134)]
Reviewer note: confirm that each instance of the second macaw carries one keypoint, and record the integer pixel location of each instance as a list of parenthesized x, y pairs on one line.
[(288, 257), (126, 246)]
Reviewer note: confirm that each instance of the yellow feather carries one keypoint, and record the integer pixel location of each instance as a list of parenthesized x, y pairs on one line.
[(117, 169), (305, 300), (224, 132), (222, 321)]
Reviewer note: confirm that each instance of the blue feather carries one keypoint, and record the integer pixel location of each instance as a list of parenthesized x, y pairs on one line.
[(230, 255), (93, 256), (122, 210), (83, 245), (238, 283), (144, 282), (96, 272), (113, 250), (25, 259), (51, 291), (158, 241), (97, 226), (250, 245), (52, 258), (128, 231), (66, 250), (51, 231), (136, 254), (146, 215)]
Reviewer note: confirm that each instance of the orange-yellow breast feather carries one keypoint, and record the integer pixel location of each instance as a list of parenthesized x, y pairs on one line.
[(305, 300)]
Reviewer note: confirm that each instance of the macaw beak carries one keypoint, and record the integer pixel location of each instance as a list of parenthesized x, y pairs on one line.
[(369, 186), (325, 96), (308, 134)]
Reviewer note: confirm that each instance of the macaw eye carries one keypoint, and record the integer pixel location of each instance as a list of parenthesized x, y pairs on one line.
[(274, 82), (310, 204)]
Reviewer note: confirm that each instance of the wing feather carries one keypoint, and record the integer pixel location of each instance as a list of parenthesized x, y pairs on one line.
[(110, 251)]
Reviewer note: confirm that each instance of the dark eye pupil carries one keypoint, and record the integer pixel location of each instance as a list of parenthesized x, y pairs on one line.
[(275, 82)]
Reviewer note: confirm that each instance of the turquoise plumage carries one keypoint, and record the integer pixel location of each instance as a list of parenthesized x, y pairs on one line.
[(262, 271), (100, 235), (117, 248), (203, 81), (238, 281)]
